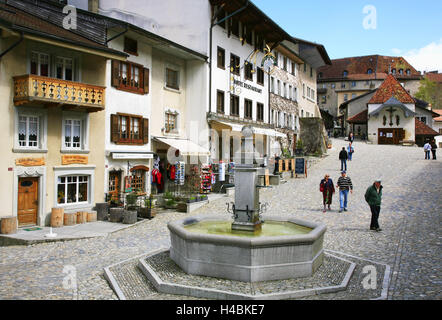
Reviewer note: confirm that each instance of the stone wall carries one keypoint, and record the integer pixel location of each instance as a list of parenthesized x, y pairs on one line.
[(312, 135)]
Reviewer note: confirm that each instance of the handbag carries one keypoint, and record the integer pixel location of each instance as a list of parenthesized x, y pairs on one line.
[(321, 187)]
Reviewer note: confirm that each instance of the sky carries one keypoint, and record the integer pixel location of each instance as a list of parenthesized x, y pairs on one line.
[(408, 28)]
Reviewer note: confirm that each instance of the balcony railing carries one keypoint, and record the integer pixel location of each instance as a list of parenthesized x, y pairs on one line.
[(49, 91)]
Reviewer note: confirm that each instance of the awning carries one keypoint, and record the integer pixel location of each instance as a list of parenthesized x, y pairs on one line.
[(186, 147), (257, 130)]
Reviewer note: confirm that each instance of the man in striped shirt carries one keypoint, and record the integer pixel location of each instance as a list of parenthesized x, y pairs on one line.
[(344, 185)]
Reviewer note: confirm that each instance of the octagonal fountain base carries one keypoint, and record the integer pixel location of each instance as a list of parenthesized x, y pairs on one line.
[(274, 255)]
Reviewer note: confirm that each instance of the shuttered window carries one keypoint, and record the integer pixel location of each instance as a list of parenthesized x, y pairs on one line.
[(129, 129), (130, 77)]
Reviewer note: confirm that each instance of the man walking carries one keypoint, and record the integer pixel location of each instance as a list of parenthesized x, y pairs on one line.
[(373, 196), (345, 185), (433, 148), (427, 150), (343, 156)]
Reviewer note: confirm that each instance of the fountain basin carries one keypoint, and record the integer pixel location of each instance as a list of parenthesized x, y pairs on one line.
[(251, 258)]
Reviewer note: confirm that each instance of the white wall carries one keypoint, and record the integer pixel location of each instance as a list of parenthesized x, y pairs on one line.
[(221, 78), (184, 22)]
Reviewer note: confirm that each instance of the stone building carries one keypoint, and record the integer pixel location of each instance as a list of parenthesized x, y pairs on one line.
[(348, 78)]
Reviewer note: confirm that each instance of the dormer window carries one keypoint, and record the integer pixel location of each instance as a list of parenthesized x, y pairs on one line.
[(401, 71), (369, 71), (345, 73), (408, 71), (393, 71)]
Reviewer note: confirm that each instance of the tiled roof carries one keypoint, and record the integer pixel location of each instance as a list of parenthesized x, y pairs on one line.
[(361, 117), (438, 119), (391, 88), (436, 77), (423, 130), (357, 68), (20, 21)]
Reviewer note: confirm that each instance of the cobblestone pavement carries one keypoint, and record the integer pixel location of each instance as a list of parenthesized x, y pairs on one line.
[(410, 241)]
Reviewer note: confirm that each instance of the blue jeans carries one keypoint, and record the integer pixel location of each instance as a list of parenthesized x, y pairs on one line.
[(343, 164), (343, 198), (350, 156), (427, 154)]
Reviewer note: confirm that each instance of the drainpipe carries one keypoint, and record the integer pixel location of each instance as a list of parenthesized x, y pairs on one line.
[(117, 35), (12, 46)]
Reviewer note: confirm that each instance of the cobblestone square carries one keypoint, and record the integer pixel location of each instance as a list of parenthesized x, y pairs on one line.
[(410, 243)]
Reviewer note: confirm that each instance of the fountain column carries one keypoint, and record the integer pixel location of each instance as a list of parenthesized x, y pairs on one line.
[(246, 208)]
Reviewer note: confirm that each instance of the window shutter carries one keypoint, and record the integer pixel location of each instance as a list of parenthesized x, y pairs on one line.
[(145, 131), (146, 80), (115, 73), (115, 133)]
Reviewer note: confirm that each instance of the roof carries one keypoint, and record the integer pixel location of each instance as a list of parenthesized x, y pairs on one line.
[(391, 88), (438, 119), (423, 130), (357, 68), (254, 17), (16, 19), (356, 98), (361, 117), (435, 77), (307, 52)]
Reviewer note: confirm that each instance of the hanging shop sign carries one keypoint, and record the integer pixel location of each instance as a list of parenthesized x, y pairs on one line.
[(30, 162), (71, 159)]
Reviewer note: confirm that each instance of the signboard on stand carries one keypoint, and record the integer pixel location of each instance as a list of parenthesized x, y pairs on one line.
[(300, 167)]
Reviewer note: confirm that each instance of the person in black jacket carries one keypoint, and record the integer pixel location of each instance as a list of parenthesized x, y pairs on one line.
[(343, 156), (433, 148)]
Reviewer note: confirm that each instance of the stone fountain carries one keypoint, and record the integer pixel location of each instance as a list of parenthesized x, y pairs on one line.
[(252, 247)]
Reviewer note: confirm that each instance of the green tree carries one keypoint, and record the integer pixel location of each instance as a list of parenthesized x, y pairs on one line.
[(430, 92)]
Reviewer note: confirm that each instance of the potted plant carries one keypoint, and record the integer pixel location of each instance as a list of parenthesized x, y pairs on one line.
[(203, 197), (191, 200), (299, 151), (148, 211), (131, 200), (170, 204)]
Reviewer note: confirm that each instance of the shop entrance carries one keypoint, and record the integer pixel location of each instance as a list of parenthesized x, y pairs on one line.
[(27, 206), (114, 183)]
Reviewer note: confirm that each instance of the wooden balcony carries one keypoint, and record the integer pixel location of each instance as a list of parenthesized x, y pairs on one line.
[(49, 92)]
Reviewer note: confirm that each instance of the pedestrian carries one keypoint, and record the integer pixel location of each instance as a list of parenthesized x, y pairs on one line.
[(433, 148), (276, 171), (345, 185), (373, 196), (351, 137), (343, 156), (350, 151), (427, 149), (328, 189)]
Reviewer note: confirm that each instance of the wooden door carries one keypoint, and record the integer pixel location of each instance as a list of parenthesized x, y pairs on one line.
[(114, 184), (27, 207), (390, 136)]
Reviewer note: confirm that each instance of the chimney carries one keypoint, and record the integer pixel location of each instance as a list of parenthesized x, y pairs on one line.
[(93, 6)]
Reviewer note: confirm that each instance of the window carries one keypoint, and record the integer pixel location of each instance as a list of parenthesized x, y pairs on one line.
[(40, 64), (393, 71), (129, 129), (272, 85), (284, 63), (289, 95), (172, 79), (64, 68), (345, 97), (73, 189), (221, 60), (259, 76), (170, 122), (234, 105), (278, 83), (343, 85), (248, 35), (234, 64), (248, 71), (130, 77), (293, 68), (319, 75), (72, 134), (234, 26), (324, 99), (333, 85), (353, 95), (259, 42), (345, 73), (130, 46), (220, 101), (295, 94), (305, 68), (28, 131), (423, 119), (302, 113), (137, 179), (401, 71), (303, 90), (369, 71), (408, 71), (221, 15), (260, 111), (353, 84), (248, 109), (308, 92), (311, 72)]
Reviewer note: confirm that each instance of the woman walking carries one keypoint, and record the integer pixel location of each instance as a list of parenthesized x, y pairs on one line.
[(328, 189)]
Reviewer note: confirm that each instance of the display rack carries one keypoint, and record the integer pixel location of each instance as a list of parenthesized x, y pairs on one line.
[(206, 179)]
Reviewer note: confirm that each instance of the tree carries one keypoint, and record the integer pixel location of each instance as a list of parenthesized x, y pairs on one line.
[(430, 92)]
